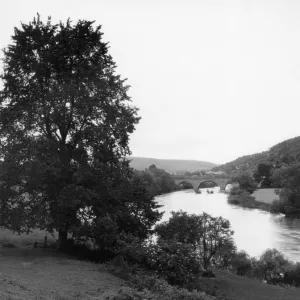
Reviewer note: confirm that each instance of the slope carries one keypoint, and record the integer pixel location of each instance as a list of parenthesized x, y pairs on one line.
[(170, 165), (285, 152)]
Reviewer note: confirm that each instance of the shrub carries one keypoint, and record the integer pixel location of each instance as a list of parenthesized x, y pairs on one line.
[(243, 198), (235, 190), (133, 249), (271, 266), (223, 256), (177, 262), (292, 276), (151, 287), (8, 244), (83, 251), (241, 263), (277, 206)]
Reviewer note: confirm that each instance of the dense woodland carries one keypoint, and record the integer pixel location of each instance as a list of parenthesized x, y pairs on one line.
[(284, 153), (277, 168)]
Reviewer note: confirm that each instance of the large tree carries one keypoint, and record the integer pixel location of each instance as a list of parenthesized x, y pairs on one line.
[(65, 121)]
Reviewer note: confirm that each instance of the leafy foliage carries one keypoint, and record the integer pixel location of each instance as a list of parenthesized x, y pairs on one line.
[(245, 180), (241, 263), (155, 288), (65, 121), (263, 174), (207, 234), (271, 265), (289, 179), (177, 262), (157, 180)]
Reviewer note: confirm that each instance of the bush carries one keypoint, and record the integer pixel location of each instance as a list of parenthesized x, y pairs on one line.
[(134, 250), (83, 251), (241, 263), (176, 262), (242, 198), (8, 244), (235, 190), (292, 276), (154, 288), (277, 207), (223, 256), (271, 266)]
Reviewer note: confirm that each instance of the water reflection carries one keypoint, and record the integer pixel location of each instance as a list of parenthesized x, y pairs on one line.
[(254, 230)]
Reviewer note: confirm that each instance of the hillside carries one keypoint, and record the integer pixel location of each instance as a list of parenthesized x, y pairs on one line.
[(285, 152), (36, 273), (170, 165)]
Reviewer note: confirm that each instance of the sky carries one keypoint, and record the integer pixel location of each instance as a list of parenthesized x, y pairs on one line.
[(213, 80)]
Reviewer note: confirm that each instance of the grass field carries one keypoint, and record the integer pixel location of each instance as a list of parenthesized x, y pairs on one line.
[(40, 274), (265, 195), (25, 240), (233, 287)]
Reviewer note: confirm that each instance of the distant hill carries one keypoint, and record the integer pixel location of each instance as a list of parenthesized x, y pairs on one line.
[(170, 165), (286, 152)]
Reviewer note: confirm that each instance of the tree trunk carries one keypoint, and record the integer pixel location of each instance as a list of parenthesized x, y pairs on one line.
[(62, 240)]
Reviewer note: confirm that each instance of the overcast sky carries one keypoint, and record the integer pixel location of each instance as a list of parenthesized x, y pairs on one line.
[(214, 80)]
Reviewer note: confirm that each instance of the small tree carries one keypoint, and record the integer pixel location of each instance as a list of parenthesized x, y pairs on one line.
[(241, 263), (207, 234), (216, 234), (271, 265), (181, 227), (262, 174), (245, 180), (288, 178)]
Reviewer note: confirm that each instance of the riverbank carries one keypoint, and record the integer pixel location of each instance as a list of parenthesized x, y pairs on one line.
[(248, 201), (42, 274), (260, 199), (234, 287)]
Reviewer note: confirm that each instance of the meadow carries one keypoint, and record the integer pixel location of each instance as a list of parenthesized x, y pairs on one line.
[(28, 273)]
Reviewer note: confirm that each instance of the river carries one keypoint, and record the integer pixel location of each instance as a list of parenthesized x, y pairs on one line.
[(254, 230)]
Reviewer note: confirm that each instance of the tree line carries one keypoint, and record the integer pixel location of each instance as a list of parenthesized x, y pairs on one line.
[(158, 181), (284, 176)]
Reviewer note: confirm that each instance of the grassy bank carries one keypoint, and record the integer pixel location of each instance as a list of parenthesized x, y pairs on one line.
[(40, 274), (26, 240), (234, 287)]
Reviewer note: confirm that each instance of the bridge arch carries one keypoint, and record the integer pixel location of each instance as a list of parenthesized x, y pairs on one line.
[(196, 182), (207, 184), (232, 184), (185, 185)]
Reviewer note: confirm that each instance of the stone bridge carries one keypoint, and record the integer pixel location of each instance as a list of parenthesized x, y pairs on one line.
[(199, 182)]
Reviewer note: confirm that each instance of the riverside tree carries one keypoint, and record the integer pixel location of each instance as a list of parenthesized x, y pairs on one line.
[(209, 236), (65, 121)]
